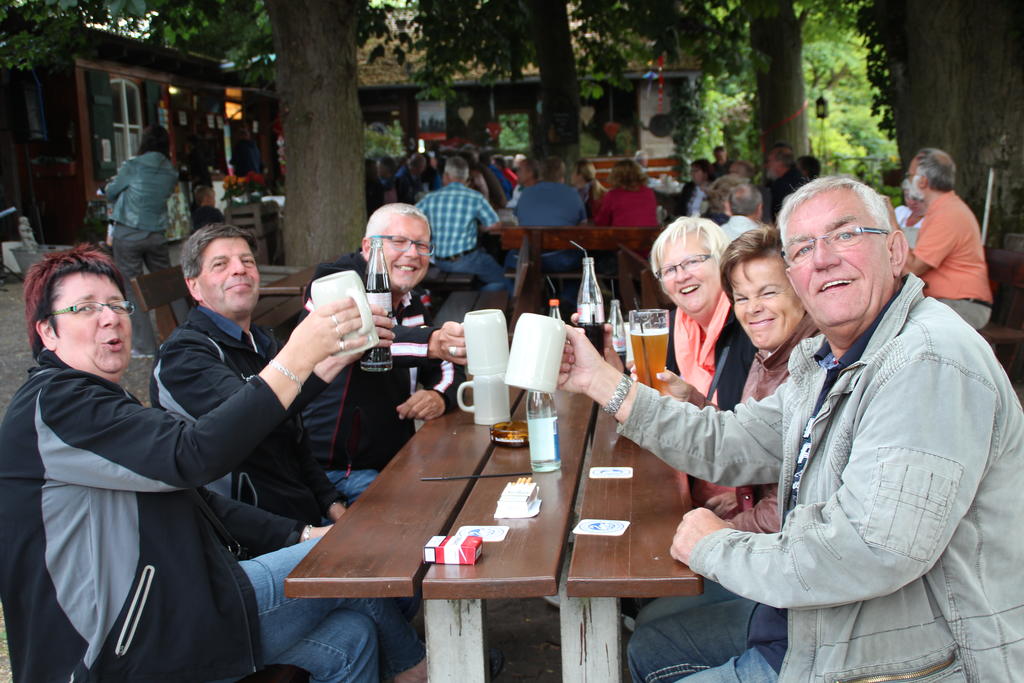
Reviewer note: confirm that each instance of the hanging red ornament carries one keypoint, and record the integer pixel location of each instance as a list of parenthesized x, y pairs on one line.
[(493, 129), (611, 129)]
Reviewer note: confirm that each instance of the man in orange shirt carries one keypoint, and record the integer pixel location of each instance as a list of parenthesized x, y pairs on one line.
[(948, 256)]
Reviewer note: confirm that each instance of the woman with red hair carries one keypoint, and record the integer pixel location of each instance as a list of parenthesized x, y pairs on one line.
[(117, 564)]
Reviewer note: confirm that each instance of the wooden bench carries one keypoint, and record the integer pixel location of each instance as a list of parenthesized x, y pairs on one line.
[(656, 167), (1005, 331), (638, 288), (635, 564), (458, 304)]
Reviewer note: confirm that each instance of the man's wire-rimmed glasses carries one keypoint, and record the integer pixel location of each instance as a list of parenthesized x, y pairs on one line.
[(402, 244), (799, 251)]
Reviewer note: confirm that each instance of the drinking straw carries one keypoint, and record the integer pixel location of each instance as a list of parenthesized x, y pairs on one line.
[(475, 476), (579, 247), (643, 352)]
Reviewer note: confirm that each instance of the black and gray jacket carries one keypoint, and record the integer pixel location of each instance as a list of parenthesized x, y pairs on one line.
[(109, 570), (198, 368), (353, 423)]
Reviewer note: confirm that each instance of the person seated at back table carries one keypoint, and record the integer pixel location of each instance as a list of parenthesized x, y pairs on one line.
[(363, 419), (895, 442), (754, 278), (456, 214), (630, 202), (552, 202), (590, 189), (113, 566), (206, 211), (212, 355)]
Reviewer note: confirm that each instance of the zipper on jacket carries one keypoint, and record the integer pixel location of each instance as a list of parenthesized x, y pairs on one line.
[(131, 619), (908, 676)]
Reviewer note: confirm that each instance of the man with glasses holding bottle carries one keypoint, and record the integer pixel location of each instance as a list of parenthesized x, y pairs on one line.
[(362, 419), (895, 443)]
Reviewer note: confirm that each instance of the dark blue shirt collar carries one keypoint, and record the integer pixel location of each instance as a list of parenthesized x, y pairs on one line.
[(828, 361), (235, 331)]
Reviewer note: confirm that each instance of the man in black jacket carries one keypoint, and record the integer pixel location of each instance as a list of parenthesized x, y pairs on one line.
[(362, 419), (214, 353)]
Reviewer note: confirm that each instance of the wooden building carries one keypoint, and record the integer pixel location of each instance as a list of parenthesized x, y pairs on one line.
[(64, 133)]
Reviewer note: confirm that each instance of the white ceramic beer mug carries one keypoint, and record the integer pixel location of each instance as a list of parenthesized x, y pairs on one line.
[(536, 354), (490, 399), (486, 342), (339, 286)]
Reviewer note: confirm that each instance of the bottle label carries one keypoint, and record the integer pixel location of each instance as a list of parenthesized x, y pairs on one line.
[(543, 433), (619, 343), (382, 299), (590, 313)]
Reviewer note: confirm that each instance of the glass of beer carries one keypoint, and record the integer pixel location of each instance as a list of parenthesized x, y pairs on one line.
[(648, 336)]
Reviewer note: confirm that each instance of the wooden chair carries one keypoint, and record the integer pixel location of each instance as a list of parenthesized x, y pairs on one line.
[(637, 285), (164, 292), (1005, 331)]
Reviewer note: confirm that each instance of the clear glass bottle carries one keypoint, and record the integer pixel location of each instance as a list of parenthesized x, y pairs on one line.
[(554, 309), (590, 306), (378, 293), (618, 329), (542, 426)]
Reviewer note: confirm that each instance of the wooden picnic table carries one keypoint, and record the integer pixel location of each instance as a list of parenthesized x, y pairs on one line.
[(375, 550)]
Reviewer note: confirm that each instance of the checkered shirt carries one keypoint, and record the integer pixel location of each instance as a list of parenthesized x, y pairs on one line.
[(453, 212)]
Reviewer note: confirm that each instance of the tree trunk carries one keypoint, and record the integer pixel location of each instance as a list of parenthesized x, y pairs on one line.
[(781, 106), (315, 44), (559, 131), (957, 74)]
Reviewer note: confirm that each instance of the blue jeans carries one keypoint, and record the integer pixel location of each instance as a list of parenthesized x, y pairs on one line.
[(478, 262), (707, 644), (669, 606), (351, 484), (334, 639)]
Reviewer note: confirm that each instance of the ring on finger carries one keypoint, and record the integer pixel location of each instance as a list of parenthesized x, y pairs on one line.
[(453, 350), (334, 319), (341, 344)]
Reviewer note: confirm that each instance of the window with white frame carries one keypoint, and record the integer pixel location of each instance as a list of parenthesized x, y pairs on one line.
[(127, 119)]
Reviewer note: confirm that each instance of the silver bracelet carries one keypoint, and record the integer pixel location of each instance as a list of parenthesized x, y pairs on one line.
[(305, 533), (615, 402), (286, 372)]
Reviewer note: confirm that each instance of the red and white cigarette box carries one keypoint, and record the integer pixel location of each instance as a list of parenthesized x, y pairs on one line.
[(453, 549)]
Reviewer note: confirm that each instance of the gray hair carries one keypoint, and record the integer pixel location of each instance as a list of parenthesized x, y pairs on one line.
[(938, 167), (192, 252), (744, 199), (456, 168), (382, 217), (873, 202), (707, 231), (533, 165)]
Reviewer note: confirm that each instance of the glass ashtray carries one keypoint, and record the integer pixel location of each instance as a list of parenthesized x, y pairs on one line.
[(511, 434)]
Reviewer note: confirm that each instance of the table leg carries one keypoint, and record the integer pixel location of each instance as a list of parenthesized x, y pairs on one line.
[(591, 639), (456, 641)]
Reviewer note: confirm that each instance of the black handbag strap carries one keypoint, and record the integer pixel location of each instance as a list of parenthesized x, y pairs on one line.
[(718, 370), (236, 548)]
